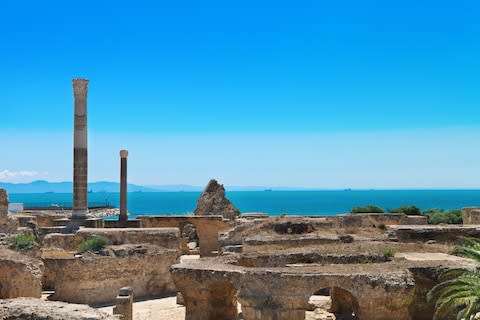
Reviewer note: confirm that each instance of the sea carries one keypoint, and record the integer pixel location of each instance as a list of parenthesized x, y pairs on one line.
[(302, 203)]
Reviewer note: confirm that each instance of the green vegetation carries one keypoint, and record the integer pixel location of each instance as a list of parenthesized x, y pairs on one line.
[(367, 209), (437, 216), (459, 290), (93, 243), (23, 241), (382, 226), (389, 252), (408, 210)]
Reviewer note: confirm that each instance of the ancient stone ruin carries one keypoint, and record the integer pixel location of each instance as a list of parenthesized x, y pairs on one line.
[(213, 202), (220, 265)]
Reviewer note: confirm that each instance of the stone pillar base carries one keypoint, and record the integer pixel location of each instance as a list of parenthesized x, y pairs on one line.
[(124, 303)]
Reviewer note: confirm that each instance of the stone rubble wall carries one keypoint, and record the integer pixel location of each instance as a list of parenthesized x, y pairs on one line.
[(164, 237), (96, 279)]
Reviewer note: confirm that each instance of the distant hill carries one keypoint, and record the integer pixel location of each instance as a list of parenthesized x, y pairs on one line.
[(42, 186)]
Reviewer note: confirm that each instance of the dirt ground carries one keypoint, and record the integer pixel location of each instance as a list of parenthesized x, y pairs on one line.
[(167, 308)]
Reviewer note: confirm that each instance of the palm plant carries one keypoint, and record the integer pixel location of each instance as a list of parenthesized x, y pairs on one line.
[(459, 291)]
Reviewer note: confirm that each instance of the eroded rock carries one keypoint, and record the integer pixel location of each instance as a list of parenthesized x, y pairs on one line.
[(37, 309), (213, 202)]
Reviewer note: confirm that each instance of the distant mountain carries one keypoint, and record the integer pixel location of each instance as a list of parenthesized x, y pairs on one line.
[(42, 186)]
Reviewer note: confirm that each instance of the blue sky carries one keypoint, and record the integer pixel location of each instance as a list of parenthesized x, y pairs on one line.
[(324, 94)]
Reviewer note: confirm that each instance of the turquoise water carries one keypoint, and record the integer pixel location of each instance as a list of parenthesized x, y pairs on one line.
[(272, 202)]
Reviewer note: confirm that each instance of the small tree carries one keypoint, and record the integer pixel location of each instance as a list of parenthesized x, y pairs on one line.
[(408, 210)]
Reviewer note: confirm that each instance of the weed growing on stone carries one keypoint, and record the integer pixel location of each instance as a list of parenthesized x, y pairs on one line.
[(93, 243), (23, 241)]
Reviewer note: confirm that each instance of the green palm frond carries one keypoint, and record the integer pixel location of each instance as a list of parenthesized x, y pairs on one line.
[(459, 291)]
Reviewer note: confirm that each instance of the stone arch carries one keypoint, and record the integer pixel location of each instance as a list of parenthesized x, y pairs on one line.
[(334, 300)]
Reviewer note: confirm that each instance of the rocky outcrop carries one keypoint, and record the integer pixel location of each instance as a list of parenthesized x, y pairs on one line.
[(20, 276), (213, 202), (37, 309)]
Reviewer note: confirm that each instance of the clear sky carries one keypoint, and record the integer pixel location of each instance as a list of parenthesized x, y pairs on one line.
[(321, 94)]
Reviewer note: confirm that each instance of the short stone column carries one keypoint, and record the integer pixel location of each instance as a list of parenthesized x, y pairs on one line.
[(3, 203), (80, 153), (123, 186), (124, 303)]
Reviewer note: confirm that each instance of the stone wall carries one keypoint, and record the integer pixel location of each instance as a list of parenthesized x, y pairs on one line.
[(20, 276), (96, 279), (445, 233), (208, 228), (366, 220), (164, 237), (471, 215)]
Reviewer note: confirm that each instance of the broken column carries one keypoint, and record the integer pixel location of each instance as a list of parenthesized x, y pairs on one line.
[(124, 303), (123, 186), (80, 156)]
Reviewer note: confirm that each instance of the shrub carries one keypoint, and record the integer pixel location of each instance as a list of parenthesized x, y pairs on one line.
[(389, 252), (408, 210), (23, 241), (93, 243), (367, 209), (437, 216), (382, 226)]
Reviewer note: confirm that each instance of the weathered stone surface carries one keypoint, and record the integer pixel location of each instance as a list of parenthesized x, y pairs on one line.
[(445, 233), (94, 278), (364, 220), (37, 309), (20, 276), (471, 215), (211, 288), (213, 202), (124, 303)]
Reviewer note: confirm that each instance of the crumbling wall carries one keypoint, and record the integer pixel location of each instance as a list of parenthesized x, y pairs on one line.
[(20, 276), (94, 279)]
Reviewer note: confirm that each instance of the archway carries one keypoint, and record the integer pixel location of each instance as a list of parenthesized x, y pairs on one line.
[(332, 303), (223, 302)]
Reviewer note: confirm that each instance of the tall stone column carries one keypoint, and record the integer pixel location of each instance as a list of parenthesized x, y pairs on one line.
[(3, 203), (80, 154), (123, 186)]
